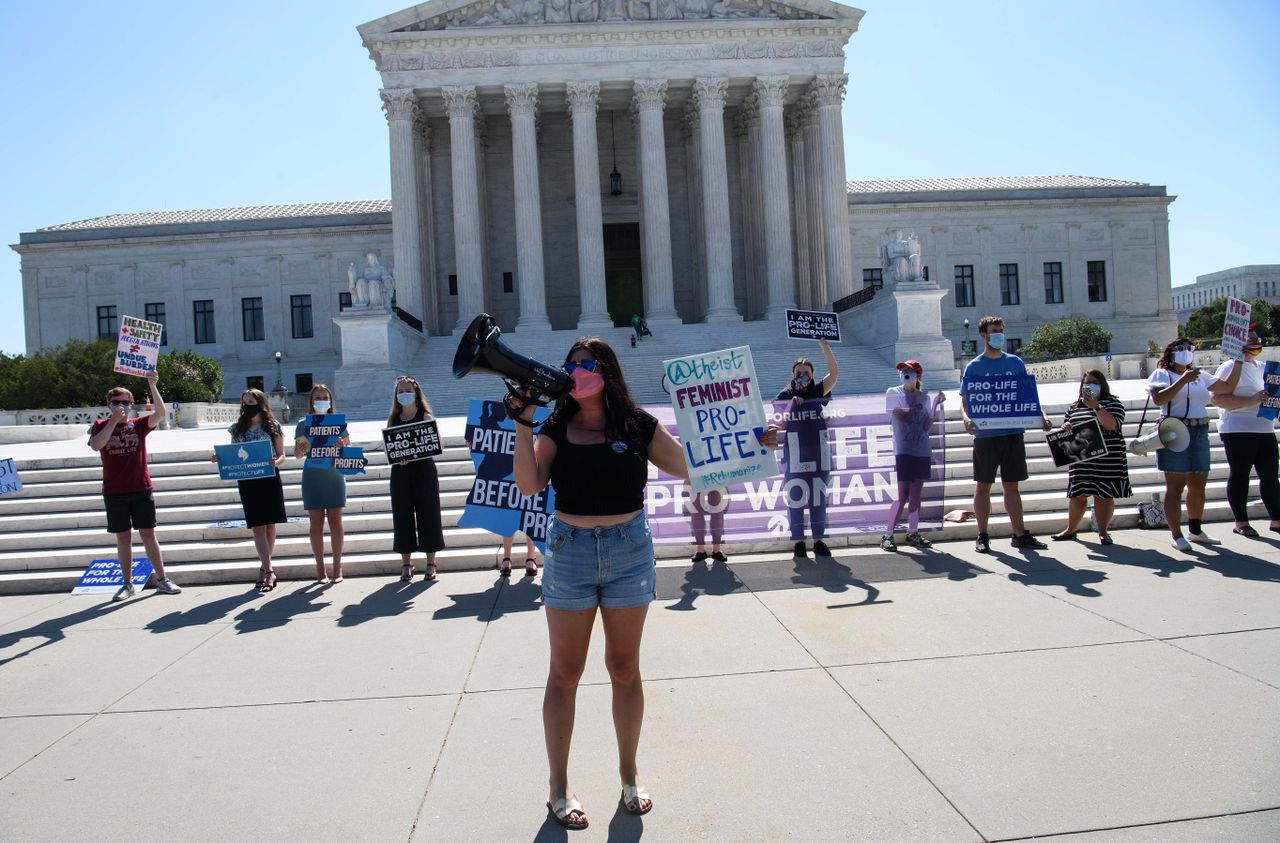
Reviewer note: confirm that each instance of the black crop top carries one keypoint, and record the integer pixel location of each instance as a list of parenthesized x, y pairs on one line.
[(603, 479)]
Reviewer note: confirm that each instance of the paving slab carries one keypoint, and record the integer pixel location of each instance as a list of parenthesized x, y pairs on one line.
[(1058, 741), (23, 738), (321, 772), (1255, 653), (724, 758), (716, 635), (15, 607), (1257, 827), (934, 618)]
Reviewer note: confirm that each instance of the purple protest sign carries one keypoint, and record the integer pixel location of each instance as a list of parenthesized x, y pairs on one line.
[(842, 454)]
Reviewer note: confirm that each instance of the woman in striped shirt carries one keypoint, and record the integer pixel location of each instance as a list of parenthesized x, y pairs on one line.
[(1106, 477)]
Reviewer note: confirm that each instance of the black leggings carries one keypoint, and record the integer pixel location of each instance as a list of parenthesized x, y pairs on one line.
[(1248, 452)]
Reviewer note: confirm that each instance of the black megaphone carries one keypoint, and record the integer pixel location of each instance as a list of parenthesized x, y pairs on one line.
[(482, 350)]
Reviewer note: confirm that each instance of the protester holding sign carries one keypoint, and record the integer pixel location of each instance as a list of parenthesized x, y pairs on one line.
[(1106, 477), (262, 498), (126, 482), (806, 455), (911, 411), (415, 488), (594, 450), (997, 449), (1182, 392), (324, 490), (1248, 438)]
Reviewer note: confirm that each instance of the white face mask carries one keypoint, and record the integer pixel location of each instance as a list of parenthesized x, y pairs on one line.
[(322, 407), (996, 341), (1183, 358), (908, 378), (406, 399)]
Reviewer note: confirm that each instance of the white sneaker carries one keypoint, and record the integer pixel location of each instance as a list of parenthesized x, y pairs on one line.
[(1202, 538), (168, 586), (126, 591), (1182, 544)]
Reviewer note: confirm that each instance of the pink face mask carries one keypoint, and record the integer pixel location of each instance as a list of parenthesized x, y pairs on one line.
[(586, 383)]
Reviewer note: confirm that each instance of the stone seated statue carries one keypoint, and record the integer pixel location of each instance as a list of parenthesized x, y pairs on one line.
[(371, 286)]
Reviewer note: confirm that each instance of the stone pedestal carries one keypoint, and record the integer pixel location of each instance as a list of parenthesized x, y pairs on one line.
[(377, 347), (905, 323)]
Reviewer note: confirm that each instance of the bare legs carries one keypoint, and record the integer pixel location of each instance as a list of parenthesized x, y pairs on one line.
[(982, 505), (1174, 483), (336, 537), (1104, 509), (264, 541)]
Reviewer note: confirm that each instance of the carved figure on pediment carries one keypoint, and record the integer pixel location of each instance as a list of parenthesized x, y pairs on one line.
[(371, 286), (557, 11), (507, 15), (638, 10), (584, 11), (532, 11), (667, 10), (726, 9), (613, 9), (695, 8)]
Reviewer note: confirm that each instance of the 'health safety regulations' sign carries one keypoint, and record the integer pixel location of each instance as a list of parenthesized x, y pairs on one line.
[(138, 346)]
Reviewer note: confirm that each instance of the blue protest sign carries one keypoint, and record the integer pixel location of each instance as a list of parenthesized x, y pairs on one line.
[(103, 576), (324, 435), (10, 482), (350, 460), (495, 503), (245, 460), (1000, 402), (1270, 382)]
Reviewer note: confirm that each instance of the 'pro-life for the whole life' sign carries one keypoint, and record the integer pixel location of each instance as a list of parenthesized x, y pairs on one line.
[(103, 576), (138, 346), (997, 402), (720, 416), (411, 442)]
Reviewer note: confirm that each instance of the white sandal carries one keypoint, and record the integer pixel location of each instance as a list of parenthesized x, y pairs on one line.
[(564, 808), (634, 794)]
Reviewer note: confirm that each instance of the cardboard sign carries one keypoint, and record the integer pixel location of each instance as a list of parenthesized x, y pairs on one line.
[(495, 503), (1000, 402), (350, 460), (245, 460), (10, 482), (324, 436), (1083, 442), (103, 576), (1270, 405), (813, 325), (138, 346), (720, 416), (412, 442), (1235, 328)]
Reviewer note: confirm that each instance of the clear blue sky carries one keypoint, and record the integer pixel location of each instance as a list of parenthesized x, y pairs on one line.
[(142, 106)]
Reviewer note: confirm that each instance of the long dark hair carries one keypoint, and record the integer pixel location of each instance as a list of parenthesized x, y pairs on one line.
[(269, 423), (619, 407), (1102, 381), (1166, 359), (419, 401)]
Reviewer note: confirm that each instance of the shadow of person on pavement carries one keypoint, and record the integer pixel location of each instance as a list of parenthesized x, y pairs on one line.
[(1229, 563), (551, 831), (716, 579), (201, 614), (522, 595), (477, 604), (1037, 570), (833, 577), (52, 629), (1161, 564), (278, 612), (394, 598), (938, 562), (625, 827)]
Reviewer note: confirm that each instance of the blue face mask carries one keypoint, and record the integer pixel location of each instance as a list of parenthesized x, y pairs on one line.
[(406, 399), (996, 341)]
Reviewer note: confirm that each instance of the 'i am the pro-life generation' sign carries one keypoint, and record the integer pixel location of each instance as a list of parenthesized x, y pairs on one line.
[(999, 402), (1235, 328), (720, 416), (813, 325), (412, 442), (138, 346)]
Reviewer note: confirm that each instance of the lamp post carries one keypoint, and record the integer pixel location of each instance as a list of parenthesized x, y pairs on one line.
[(279, 387), (280, 393)]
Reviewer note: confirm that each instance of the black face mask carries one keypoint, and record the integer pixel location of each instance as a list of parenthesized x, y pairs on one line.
[(250, 410)]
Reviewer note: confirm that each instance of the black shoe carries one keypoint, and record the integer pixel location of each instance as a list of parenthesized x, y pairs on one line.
[(719, 557), (1028, 542), (820, 548), (983, 544), (700, 556), (800, 551)]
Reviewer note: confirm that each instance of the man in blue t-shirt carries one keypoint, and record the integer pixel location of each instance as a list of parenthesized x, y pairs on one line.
[(1001, 449)]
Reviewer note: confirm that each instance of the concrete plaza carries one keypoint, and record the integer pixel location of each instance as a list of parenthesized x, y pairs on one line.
[(1129, 693)]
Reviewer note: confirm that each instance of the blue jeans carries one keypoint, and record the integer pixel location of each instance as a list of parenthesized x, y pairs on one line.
[(817, 506), (611, 567)]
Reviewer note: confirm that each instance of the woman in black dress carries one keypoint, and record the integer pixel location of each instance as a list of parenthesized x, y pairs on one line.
[(415, 488), (1106, 477)]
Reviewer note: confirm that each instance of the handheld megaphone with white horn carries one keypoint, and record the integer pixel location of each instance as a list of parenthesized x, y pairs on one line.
[(482, 351), (1170, 434)]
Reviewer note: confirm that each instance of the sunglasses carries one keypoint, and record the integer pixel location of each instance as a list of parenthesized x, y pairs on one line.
[(586, 365), (121, 403)]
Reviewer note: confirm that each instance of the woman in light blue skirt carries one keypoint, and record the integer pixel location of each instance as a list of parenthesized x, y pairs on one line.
[(324, 490)]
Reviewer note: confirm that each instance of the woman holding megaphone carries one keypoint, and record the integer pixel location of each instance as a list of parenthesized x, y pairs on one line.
[(1182, 392)]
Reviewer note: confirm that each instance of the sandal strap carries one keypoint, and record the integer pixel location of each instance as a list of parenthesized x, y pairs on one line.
[(562, 808), (634, 793)]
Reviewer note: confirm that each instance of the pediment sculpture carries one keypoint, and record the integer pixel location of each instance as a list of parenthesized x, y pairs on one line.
[(542, 12)]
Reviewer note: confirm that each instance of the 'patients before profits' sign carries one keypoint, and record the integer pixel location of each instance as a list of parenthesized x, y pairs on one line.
[(138, 346), (720, 416)]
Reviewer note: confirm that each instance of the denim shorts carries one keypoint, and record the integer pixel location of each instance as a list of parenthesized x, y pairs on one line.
[(611, 567), (1194, 458)]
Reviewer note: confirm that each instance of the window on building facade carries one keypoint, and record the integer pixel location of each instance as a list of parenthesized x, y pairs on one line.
[(1009, 284), (926, 273), (302, 383), (155, 313), (968, 347), (255, 382), (251, 316), (1053, 282), (873, 278), (344, 301), (508, 282), (453, 285), (202, 317), (1097, 280), (107, 322), (1013, 345), (964, 285), (300, 313)]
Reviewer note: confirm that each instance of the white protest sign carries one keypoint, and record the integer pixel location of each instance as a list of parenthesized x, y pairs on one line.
[(10, 482), (720, 417), (1235, 328), (138, 346)]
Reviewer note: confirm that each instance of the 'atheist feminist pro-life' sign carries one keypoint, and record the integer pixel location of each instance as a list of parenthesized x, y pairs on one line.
[(1235, 328), (998, 402), (813, 325), (138, 347), (10, 482), (838, 454), (720, 417), (495, 502), (1270, 382)]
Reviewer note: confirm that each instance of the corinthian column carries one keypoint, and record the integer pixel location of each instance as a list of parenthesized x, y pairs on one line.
[(709, 94), (583, 99), (799, 208), (813, 204), (522, 104), (401, 108), (780, 278), (828, 92), (650, 97), (460, 102)]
